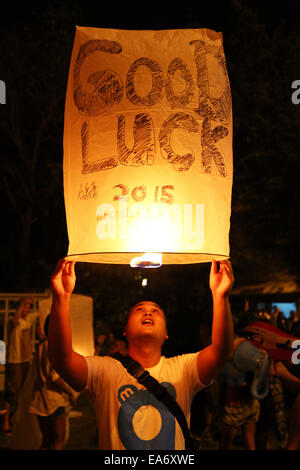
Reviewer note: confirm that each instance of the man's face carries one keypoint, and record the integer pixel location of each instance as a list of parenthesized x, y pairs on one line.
[(146, 319)]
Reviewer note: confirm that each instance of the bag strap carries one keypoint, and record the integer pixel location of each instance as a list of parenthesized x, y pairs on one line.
[(159, 391)]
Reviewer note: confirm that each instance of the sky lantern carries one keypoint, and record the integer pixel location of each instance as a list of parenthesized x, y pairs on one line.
[(148, 147), (81, 325)]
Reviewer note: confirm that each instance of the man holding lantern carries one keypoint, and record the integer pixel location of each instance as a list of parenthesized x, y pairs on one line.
[(128, 415)]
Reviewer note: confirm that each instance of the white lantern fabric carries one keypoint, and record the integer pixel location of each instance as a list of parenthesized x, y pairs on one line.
[(81, 314), (148, 146)]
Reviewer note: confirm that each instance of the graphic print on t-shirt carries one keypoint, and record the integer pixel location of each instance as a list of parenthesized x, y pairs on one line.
[(144, 423)]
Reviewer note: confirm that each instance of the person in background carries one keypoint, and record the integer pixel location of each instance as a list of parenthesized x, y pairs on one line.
[(117, 344), (52, 400), (100, 347), (19, 356), (241, 410)]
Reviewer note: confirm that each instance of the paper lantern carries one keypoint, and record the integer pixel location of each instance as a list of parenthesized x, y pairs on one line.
[(81, 313), (148, 146)]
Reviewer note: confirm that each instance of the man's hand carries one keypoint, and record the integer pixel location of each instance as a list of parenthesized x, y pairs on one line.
[(221, 281), (212, 358), (63, 278), (70, 365)]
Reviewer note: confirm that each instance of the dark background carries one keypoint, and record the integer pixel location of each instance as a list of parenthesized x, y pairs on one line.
[(262, 49)]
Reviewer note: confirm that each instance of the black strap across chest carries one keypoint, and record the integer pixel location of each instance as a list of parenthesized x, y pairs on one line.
[(159, 391)]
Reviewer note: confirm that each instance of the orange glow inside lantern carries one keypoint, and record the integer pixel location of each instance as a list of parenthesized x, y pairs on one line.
[(148, 147)]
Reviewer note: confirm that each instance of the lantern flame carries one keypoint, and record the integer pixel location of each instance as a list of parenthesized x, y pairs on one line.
[(147, 260)]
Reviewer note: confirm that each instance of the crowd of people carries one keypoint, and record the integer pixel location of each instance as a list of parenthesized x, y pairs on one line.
[(275, 317), (269, 418), (216, 384), (52, 398)]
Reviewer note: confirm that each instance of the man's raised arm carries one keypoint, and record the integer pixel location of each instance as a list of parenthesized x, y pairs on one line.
[(69, 365), (213, 357)]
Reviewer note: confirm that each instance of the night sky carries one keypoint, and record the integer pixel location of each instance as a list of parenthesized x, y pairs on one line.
[(262, 48)]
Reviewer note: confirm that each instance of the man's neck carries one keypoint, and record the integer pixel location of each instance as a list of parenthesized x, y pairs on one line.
[(147, 355)]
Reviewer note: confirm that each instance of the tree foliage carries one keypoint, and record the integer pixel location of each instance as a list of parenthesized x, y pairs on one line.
[(34, 66)]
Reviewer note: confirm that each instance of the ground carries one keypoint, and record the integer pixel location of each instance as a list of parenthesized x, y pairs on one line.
[(82, 430)]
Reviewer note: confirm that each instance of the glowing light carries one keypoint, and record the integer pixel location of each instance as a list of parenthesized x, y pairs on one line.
[(151, 229), (147, 260)]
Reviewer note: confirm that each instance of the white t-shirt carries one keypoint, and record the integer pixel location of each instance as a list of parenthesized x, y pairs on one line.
[(128, 415), (46, 397), (20, 340)]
